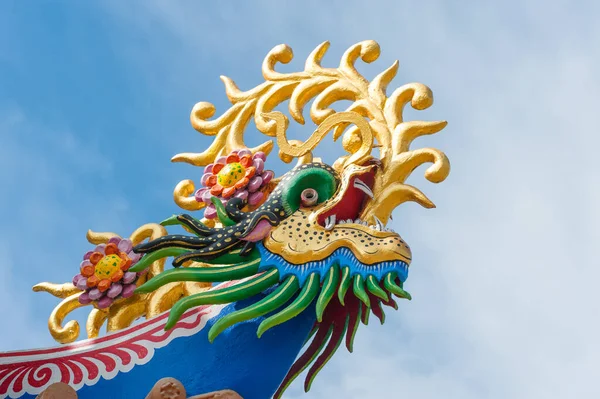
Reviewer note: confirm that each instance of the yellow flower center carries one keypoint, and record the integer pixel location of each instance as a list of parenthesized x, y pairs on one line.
[(107, 266), (231, 174)]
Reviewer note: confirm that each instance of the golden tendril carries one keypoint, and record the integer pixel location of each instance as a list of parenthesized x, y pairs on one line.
[(95, 321), (326, 86), (57, 290), (298, 150), (124, 311), (99, 238), (121, 314), (70, 331)]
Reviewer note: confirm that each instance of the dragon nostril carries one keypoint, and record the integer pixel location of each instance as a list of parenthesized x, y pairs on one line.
[(309, 197)]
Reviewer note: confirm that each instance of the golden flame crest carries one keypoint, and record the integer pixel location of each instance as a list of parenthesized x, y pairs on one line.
[(370, 104)]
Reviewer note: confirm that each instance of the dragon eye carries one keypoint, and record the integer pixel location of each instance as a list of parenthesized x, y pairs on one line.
[(309, 197)]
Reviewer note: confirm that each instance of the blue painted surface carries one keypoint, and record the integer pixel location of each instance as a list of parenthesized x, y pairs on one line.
[(236, 360), (341, 256)]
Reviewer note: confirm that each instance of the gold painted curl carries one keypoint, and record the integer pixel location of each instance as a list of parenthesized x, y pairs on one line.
[(123, 312), (326, 86)]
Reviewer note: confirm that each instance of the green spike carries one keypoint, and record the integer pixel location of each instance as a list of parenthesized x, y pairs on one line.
[(201, 274), (277, 298), (302, 301), (359, 290), (221, 212), (177, 220), (375, 289), (310, 380), (350, 342), (282, 388), (391, 286), (344, 284), (148, 259), (329, 286), (234, 293), (171, 221)]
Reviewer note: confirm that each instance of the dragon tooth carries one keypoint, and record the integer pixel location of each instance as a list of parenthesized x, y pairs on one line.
[(361, 185), (330, 222)]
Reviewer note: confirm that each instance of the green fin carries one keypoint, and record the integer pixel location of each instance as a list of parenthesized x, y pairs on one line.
[(359, 290), (391, 286), (266, 305), (375, 289), (201, 274), (344, 284), (172, 221), (234, 293), (327, 291), (302, 301), (189, 223), (148, 259)]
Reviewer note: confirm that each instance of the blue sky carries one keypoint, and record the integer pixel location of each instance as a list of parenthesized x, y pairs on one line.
[(504, 280)]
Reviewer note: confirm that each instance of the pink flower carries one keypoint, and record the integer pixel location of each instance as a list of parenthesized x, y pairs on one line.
[(104, 275), (239, 175)]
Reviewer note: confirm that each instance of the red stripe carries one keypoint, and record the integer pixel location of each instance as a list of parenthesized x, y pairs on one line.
[(113, 336)]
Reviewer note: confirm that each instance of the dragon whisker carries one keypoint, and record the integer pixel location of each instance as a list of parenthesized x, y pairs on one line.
[(307, 294), (235, 293), (208, 275), (266, 305), (327, 291)]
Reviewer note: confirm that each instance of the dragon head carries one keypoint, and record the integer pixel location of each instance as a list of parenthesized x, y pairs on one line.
[(305, 242), (315, 229)]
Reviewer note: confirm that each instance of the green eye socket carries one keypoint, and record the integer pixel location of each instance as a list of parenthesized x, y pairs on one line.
[(310, 186), (309, 197)]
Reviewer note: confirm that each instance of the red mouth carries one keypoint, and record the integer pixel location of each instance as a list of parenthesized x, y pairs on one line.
[(353, 199)]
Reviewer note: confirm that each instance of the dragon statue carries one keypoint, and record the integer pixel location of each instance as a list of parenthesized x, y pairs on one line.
[(276, 272)]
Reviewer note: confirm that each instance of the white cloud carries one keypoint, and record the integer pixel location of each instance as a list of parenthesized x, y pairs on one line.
[(505, 270)]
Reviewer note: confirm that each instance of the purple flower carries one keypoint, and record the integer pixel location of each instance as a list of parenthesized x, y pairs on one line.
[(241, 175)]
